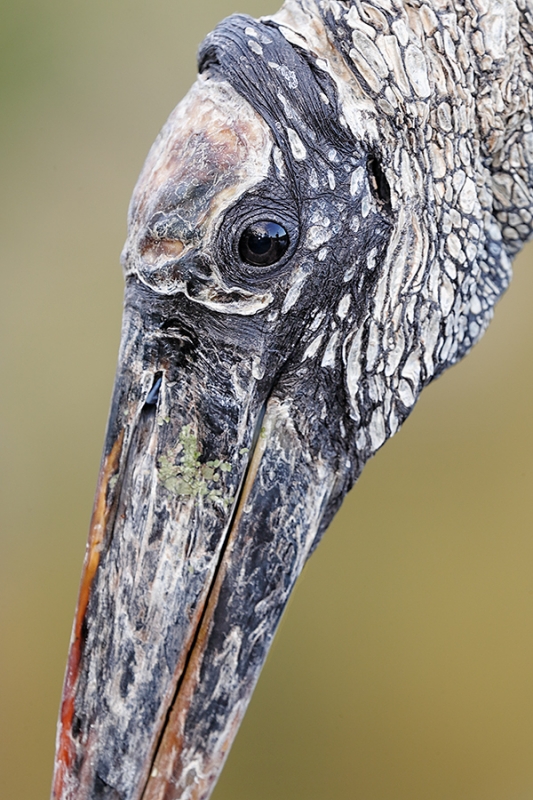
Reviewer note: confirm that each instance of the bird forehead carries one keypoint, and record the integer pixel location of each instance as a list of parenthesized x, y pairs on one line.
[(213, 148)]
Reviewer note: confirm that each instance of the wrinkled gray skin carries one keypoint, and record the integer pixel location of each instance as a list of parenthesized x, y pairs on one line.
[(393, 142)]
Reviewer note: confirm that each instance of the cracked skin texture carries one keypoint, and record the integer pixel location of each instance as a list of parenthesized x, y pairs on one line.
[(394, 145)]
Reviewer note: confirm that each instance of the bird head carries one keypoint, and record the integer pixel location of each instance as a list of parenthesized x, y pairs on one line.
[(306, 251)]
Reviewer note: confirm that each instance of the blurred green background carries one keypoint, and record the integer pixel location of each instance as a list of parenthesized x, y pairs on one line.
[(403, 669)]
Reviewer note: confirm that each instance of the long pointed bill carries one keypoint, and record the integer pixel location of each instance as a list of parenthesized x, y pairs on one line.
[(195, 544), (208, 500)]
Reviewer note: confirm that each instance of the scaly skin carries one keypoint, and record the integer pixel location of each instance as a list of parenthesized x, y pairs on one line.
[(393, 143)]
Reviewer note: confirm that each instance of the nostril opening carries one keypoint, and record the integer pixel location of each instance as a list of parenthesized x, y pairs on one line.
[(153, 395)]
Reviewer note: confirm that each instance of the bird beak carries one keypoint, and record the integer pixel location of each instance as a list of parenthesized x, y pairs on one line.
[(198, 534), (208, 502)]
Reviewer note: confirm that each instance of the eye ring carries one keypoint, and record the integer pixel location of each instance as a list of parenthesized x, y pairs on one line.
[(263, 243)]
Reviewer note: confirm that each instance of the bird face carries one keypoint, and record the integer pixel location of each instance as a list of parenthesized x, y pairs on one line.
[(213, 150), (286, 301)]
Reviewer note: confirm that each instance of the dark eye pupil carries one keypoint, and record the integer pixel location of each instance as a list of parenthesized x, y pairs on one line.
[(263, 243)]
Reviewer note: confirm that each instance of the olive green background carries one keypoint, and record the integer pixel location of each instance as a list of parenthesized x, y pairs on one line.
[(403, 669)]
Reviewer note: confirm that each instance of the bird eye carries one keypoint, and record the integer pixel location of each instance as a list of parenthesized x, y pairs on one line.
[(263, 243)]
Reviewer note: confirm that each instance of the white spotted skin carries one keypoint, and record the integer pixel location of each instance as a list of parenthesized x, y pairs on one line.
[(328, 359), (297, 146), (343, 306), (313, 348), (405, 217), (443, 95)]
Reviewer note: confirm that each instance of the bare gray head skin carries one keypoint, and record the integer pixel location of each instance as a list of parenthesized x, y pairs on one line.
[(324, 225)]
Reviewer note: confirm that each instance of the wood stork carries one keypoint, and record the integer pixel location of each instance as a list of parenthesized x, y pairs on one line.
[(323, 226)]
